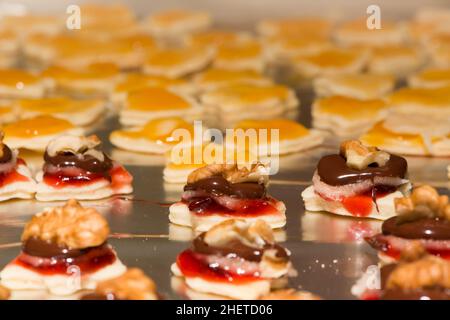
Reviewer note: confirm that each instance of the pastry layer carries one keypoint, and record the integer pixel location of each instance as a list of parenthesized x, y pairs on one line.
[(314, 202), (16, 277), (179, 214), (248, 291)]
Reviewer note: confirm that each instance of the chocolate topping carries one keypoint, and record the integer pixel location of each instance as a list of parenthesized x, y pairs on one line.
[(7, 154), (333, 170), (424, 228), (239, 249), (46, 249), (218, 186), (85, 162)]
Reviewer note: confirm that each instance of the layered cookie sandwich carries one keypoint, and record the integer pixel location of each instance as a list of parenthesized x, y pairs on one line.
[(220, 192), (137, 81), (330, 61), (64, 250), (78, 52), (131, 285), (281, 47), (397, 60), (76, 169), (216, 78), (225, 106), (292, 136), (178, 62), (356, 32), (424, 216), (79, 112), (157, 136), (360, 86), (15, 176), (15, 83), (430, 78), (174, 24), (240, 56), (35, 133), (156, 102), (235, 259), (314, 26), (410, 135), (94, 80), (347, 117), (360, 181)]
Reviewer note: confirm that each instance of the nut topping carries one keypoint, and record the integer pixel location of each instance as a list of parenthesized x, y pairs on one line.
[(75, 145), (132, 285), (360, 156), (231, 172), (256, 234), (424, 202), (71, 226), (428, 271)]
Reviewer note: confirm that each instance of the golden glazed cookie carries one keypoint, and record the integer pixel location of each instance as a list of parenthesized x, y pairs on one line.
[(176, 23), (430, 78), (35, 133), (178, 62), (356, 32), (359, 85), (155, 102), (347, 117), (330, 62), (79, 112), (277, 136)]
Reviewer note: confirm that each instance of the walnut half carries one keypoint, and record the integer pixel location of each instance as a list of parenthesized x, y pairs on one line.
[(424, 202), (231, 172), (132, 285), (75, 145), (255, 234), (429, 271), (70, 225), (359, 156)]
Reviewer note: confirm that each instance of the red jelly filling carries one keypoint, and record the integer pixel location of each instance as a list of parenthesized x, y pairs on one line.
[(361, 205), (13, 176), (117, 175), (93, 260), (249, 208), (191, 266)]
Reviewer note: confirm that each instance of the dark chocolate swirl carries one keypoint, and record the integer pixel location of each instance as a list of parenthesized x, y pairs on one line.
[(333, 170), (82, 161), (218, 186), (47, 249), (424, 228)]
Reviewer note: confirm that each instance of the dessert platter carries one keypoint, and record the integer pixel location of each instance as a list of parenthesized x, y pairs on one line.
[(349, 201)]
